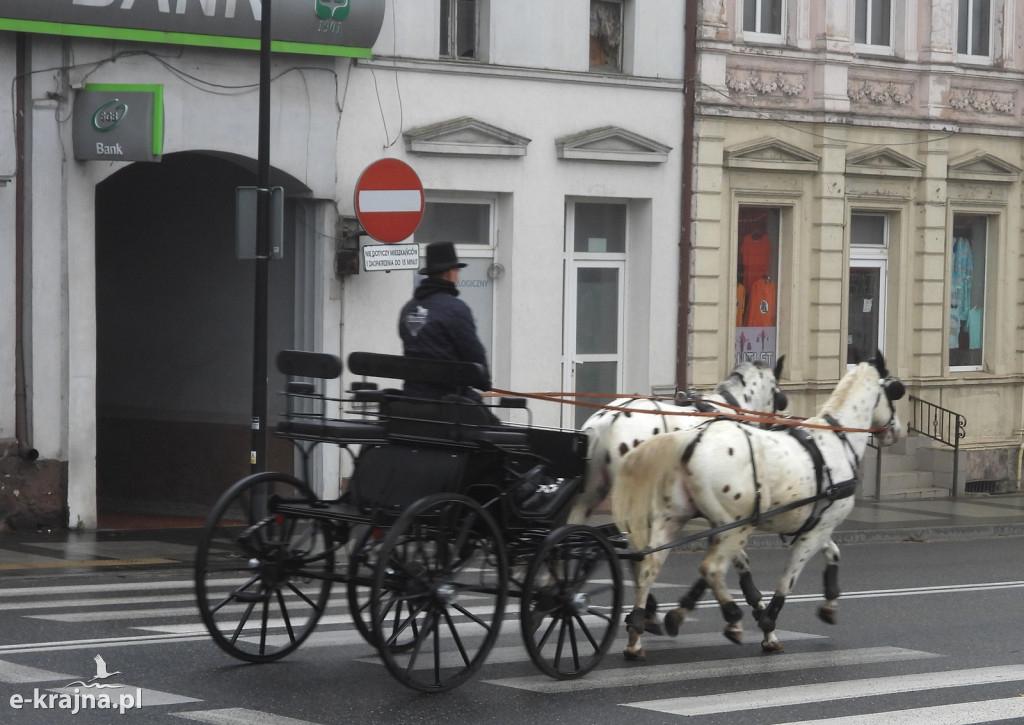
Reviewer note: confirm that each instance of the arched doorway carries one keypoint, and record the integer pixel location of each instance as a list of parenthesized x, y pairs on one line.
[(174, 316)]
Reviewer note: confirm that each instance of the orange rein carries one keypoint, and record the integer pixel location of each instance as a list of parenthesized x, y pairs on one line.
[(741, 414)]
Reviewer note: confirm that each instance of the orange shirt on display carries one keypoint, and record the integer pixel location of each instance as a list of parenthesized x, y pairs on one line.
[(761, 304), (756, 258)]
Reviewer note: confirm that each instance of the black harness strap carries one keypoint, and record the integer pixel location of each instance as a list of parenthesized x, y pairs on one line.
[(834, 491)]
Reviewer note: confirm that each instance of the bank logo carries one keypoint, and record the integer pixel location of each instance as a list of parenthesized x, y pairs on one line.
[(109, 115), (101, 674), (332, 9)]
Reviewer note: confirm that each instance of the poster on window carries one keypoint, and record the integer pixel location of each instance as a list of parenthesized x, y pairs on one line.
[(755, 343)]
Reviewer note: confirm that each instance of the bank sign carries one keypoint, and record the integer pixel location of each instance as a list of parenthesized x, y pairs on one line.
[(118, 123), (312, 27)]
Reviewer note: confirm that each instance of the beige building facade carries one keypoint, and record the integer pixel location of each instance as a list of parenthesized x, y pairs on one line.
[(858, 187)]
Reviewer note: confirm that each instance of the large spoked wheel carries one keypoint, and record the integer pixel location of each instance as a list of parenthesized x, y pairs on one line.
[(263, 577), (439, 592), (571, 602)]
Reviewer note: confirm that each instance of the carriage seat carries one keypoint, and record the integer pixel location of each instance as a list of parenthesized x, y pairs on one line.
[(449, 420)]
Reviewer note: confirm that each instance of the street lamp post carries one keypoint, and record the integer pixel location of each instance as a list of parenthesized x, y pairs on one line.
[(258, 453)]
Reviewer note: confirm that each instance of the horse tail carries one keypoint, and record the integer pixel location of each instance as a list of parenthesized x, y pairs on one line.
[(646, 477)]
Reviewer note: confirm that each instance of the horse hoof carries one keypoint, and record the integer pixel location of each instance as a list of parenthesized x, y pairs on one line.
[(653, 626), (634, 656), (673, 621), (828, 615), (772, 648), (734, 636)]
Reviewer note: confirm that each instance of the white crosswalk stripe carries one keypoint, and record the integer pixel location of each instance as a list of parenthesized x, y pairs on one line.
[(165, 611), (830, 691)]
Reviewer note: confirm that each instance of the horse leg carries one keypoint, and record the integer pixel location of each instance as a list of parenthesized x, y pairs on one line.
[(675, 618), (750, 591), (827, 611), (646, 571), (725, 548), (802, 550)]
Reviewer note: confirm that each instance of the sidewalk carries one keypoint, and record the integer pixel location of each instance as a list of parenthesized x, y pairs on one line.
[(40, 554)]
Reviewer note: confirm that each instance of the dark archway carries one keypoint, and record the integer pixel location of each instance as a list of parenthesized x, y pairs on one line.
[(174, 311)]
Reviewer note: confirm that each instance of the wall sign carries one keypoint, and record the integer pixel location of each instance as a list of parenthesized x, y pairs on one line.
[(118, 123), (313, 27)]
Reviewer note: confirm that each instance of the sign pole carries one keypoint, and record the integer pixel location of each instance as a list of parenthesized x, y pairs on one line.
[(258, 453)]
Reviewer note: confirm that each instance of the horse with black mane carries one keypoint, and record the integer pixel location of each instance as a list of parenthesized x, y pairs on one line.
[(614, 431), (794, 480)]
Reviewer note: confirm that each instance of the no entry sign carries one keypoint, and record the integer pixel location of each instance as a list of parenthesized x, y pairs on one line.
[(389, 200)]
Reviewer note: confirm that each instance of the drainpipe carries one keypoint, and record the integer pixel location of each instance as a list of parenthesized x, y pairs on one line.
[(21, 426), (686, 201)]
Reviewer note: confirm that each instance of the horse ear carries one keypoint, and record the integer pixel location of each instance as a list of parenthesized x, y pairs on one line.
[(879, 362), (894, 390), (778, 366)]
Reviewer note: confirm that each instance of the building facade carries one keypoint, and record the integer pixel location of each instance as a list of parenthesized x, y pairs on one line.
[(547, 138), (858, 187)]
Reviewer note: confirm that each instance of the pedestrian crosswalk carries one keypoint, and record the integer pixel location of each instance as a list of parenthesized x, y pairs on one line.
[(144, 613)]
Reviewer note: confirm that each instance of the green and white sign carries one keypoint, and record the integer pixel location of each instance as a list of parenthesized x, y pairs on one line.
[(118, 123), (313, 27)]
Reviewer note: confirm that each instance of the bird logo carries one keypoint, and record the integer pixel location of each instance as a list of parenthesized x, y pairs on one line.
[(101, 674)]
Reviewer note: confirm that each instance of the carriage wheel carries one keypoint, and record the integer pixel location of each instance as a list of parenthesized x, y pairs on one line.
[(439, 592), (362, 565), (362, 561), (572, 602), (262, 578)]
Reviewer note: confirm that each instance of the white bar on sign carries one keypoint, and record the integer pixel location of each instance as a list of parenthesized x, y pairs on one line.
[(390, 200)]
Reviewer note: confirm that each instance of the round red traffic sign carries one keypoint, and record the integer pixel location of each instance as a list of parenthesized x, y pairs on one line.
[(389, 200)]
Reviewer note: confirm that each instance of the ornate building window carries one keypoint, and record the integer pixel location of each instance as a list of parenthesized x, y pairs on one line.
[(763, 18), (974, 28), (873, 23)]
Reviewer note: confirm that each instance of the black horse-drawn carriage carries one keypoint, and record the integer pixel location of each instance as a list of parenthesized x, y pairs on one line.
[(446, 515)]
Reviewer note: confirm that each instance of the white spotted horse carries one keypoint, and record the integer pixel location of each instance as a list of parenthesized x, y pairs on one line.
[(796, 479), (614, 431)]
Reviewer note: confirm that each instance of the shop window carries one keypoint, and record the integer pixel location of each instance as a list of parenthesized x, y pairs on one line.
[(967, 291), (606, 33), (764, 18), (873, 23), (756, 283), (460, 29), (974, 28)]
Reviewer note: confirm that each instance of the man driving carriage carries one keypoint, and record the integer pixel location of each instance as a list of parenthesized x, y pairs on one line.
[(436, 325)]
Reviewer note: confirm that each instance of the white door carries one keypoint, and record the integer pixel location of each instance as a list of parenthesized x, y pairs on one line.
[(595, 279)]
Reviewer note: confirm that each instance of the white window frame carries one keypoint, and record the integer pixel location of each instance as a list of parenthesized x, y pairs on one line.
[(869, 47), (970, 57), (757, 36)]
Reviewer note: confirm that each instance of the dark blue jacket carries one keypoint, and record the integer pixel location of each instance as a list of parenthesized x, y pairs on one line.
[(436, 325)]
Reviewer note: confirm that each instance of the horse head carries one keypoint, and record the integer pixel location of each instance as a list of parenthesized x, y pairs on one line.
[(754, 386), (884, 416)]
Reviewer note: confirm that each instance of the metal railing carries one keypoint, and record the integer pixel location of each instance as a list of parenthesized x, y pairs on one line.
[(941, 425)]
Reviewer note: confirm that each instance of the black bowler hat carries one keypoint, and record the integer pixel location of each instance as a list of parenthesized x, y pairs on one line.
[(440, 258)]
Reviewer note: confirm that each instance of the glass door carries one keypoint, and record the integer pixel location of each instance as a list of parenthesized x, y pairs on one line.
[(596, 335), (866, 317)]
